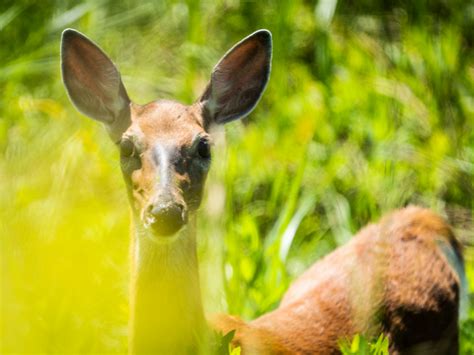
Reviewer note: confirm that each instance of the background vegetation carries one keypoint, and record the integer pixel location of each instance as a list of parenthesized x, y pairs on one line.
[(370, 107)]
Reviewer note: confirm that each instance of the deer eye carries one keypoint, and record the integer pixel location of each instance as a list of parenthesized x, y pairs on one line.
[(127, 148), (204, 149)]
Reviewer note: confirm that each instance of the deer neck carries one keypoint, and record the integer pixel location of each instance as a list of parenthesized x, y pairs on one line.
[(166, 309)]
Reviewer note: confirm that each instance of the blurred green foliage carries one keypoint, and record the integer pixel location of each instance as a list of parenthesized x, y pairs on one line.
[(370, 107), (360, 345)]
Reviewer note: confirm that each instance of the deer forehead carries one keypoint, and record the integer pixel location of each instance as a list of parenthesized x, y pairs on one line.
[(165, 122)]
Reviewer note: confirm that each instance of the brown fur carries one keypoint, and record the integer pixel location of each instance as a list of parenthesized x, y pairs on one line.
[(390, 277)]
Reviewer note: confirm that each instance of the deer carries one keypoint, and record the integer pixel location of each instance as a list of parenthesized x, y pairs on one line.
[(401, 276)]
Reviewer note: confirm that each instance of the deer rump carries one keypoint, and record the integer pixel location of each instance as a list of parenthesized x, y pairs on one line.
[(398, 277)]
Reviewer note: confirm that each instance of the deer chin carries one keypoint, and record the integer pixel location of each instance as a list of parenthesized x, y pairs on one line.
[(161, 235), (161, 229)]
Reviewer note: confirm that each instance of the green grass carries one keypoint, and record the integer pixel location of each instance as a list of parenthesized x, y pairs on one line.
[(366, 111), (360, 345)]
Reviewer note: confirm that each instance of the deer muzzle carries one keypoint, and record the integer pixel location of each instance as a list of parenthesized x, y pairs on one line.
[(165, 218)]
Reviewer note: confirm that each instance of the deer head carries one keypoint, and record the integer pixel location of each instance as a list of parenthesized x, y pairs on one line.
[(165, 146)]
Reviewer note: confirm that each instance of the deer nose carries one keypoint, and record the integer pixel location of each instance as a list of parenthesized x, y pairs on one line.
[(165, 218)]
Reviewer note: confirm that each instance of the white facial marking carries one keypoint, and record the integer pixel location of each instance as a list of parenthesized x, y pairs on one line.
[(163, 161)]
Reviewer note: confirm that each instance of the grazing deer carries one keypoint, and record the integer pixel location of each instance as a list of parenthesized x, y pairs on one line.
[(401, 276)]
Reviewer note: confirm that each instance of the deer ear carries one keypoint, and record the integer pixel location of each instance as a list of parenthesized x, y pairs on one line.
[(93, 82), (239, 79)]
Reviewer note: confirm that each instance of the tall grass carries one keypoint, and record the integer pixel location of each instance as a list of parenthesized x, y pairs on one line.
[(369, 108)]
